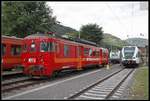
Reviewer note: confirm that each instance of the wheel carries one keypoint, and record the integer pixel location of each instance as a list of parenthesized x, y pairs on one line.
[(55, 74)]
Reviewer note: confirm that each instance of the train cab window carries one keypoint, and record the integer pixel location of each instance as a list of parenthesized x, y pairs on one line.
[(77, 51), (66, 50), (47, 47), (52, 46), (138, 54), (44, 47), (3, 49), (15, 50)]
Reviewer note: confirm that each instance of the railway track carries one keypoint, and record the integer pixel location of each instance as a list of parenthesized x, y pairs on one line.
[(17, 83), (14, 80), (8, 75), (8, 89), (105, 88)]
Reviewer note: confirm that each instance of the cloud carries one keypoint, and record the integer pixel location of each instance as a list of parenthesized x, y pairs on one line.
[(118, 18)]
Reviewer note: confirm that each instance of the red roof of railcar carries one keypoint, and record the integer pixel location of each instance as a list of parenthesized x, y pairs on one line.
[(12, 40), (79, 41)]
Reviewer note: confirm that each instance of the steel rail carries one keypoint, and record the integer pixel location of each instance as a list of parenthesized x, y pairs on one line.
[(93, 85)]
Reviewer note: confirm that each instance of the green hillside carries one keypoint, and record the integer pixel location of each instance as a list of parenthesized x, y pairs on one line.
[(112, 41), (61, 29), (141, 42), (108, 40)]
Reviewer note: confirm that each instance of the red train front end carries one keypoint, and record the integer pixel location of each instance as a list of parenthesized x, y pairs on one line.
[(38, 54)]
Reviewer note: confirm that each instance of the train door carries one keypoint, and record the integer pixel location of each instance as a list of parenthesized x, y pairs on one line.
[(100, 60), (3, 49), (107, 55), (79, 56), (3, 53)]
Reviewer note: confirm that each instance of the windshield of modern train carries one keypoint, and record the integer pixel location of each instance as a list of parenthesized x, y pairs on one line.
[(114, 55), (129, 52)]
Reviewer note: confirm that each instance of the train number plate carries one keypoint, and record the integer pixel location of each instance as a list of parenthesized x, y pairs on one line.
[(32, 60)]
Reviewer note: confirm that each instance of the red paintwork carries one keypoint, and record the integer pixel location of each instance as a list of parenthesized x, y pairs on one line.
[(56, 61), (10, 61)]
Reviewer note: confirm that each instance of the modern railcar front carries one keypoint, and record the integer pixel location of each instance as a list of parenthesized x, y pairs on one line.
[(114, 57), (131, 56)]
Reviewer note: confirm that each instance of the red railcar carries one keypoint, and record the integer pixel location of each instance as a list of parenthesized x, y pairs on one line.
[(45, 54), (11, 49)]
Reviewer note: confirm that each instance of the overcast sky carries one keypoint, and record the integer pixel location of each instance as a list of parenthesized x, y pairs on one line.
[(117, 18)]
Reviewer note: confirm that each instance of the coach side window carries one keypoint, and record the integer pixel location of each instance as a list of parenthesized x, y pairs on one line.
[(52, 46), (66, 50), (15, 50), (3, 49), (25, 48), (104, 54), (97, 53), (86, 51), (57, 47)]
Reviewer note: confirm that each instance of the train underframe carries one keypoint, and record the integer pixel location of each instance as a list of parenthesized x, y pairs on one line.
[(40, 71), (130, 63)]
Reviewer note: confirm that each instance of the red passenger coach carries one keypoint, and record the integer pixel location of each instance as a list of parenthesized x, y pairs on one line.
[(45, 54), (11, 49)]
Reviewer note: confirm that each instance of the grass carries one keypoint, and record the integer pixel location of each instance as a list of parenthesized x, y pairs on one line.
[(140, 86)]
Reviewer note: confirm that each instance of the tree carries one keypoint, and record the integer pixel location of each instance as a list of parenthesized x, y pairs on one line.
[(24, 18), (91, 32)]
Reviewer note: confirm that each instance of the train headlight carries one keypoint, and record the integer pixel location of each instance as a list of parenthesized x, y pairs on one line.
[(41, 60), (123, 58), (24, 60), (133, 57)]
